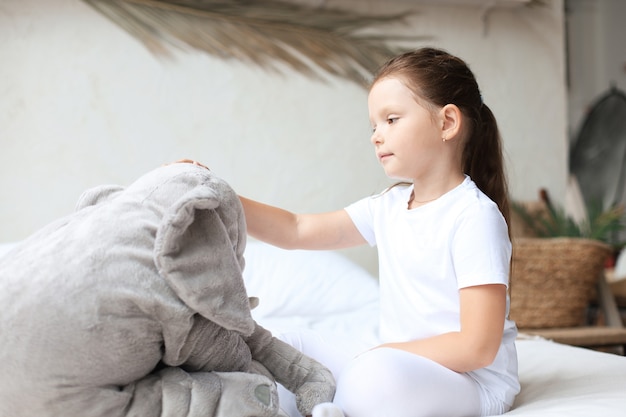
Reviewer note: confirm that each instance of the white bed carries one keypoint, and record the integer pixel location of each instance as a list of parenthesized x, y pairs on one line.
[(326, 292), (329, 294)]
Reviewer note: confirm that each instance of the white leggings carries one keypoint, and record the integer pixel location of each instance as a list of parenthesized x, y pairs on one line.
[(388, 382)]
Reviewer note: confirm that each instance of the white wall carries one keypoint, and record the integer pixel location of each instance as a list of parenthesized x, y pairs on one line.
[(82, 103)]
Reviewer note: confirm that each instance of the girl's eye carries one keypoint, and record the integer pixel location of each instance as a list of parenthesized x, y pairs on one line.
[(392, 120)]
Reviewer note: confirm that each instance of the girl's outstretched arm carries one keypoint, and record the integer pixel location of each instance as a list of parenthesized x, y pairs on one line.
[(477, 343), (282, 228)]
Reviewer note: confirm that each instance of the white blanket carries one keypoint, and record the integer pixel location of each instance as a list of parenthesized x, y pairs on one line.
[(326, 292)]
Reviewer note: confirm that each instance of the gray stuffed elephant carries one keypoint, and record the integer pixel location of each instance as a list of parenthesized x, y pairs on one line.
[(135, 305)]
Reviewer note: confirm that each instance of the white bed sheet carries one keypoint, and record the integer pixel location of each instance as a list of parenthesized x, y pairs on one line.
[(327, 293), (560, 380)]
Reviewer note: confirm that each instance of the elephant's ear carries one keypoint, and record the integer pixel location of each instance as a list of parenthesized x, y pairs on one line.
[(198, 251), (97, 194)]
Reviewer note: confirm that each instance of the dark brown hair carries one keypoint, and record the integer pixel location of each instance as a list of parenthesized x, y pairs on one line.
[(440, 78)]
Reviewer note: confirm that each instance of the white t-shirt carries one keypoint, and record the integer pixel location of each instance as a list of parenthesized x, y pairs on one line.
[(426, 255)]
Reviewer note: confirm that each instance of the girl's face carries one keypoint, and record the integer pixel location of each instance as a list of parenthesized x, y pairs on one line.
[(406, 135)]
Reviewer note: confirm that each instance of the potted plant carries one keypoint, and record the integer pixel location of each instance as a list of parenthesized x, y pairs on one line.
[(554, 273), (549, 220)]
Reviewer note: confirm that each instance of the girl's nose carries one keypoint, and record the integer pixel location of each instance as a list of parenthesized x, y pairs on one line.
[(376, 138)]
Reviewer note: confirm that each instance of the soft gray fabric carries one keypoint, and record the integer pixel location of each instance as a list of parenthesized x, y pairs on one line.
[(134, 305), (309, 380)]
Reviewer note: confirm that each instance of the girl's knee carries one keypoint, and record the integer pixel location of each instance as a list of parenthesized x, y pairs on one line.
[(377, 362), (370, 379), (389, 382)]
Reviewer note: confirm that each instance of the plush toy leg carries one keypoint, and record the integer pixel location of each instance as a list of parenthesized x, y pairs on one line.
[(312, 382), (173, 392), (246, 395), (327, 410), (257, 368)]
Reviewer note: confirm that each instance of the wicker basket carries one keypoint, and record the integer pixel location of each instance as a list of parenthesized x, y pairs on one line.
[(553, 280)]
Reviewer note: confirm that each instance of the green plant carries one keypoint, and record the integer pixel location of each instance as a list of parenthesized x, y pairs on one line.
[(600, 224)]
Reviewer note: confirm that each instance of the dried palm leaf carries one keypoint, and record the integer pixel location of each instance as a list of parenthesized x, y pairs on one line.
[(264, 33)]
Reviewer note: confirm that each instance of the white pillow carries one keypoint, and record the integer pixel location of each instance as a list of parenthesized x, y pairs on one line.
[(5, 247), (305, 283)]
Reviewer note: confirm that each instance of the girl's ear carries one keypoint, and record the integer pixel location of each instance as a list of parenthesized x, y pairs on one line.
[(451, 121)]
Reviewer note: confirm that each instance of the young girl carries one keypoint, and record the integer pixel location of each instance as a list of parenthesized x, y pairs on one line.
[(443, 246)]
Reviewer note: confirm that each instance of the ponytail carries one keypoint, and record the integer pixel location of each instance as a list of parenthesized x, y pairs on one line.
[(483, 160)]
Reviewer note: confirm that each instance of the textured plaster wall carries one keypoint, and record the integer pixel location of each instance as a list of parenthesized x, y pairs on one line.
[(82, 103)]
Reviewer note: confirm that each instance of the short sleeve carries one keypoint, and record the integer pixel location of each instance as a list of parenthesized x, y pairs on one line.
[(362, 214), (481, 246)]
